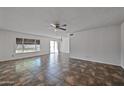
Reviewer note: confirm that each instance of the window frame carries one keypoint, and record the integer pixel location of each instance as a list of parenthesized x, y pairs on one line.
[(23, 46)]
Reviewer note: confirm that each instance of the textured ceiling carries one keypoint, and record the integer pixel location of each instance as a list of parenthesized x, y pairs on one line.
[(37, 20)]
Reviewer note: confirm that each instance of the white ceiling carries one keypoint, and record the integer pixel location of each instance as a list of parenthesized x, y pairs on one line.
[(37, 20)]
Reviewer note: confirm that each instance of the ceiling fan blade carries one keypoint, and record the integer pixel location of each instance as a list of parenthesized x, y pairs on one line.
[(53, 25), (62, 29), (64, 25)]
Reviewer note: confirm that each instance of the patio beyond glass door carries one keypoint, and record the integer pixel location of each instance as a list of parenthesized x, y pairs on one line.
[(53, 47)]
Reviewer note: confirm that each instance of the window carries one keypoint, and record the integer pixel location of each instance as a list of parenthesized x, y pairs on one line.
[(37, 45), (19, 43), (27, 45)]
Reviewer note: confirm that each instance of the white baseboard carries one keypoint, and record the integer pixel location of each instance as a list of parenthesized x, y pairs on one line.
[(122, 66), (92, 60), (18, 58)]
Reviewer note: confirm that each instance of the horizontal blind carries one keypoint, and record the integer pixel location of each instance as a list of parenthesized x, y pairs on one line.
[(38, 42), (19, 40), (29, 41)]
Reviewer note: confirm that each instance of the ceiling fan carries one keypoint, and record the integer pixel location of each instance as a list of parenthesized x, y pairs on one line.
[(58, 26)]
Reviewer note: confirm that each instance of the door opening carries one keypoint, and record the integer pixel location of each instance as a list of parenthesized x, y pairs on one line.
[(53, 47)]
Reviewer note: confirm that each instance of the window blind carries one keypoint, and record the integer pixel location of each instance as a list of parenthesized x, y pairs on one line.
[(38, 42), (29, 41), (19, 40)]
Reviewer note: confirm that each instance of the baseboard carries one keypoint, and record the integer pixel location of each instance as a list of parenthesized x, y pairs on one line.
[(122, 66), (97, 61), (64, 52), (22, 58)]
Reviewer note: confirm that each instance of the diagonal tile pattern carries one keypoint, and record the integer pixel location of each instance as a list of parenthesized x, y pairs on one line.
[(58, 70)]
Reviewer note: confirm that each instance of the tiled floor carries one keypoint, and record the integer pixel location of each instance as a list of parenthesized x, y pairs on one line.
[(58, 70)]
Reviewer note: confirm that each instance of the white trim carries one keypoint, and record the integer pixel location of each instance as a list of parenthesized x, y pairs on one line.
[(92, 60)]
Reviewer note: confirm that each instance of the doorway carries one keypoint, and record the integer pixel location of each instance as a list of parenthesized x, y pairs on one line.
[(53, 47)]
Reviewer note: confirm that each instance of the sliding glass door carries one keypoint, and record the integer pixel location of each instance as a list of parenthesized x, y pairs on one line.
[(53, 47)]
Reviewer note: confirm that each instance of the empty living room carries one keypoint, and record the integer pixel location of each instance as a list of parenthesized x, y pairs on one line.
[(61, 46)]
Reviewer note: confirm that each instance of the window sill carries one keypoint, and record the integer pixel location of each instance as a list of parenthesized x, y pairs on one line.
[(27, 52)]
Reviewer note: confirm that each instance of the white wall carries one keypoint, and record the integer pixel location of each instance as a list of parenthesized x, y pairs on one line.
[(99, 45), (64, 45), (1, 17), (8, 45), (122, 45)]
